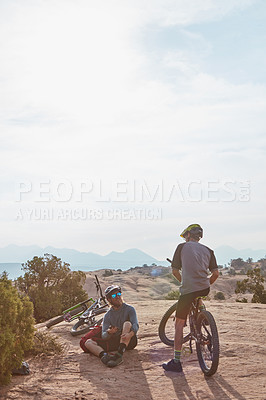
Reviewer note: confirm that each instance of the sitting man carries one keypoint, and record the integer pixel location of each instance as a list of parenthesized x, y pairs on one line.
[(120, 325)]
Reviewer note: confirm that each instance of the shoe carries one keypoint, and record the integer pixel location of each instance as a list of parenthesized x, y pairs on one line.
[(105, 358), (173, 366), (116, 360)]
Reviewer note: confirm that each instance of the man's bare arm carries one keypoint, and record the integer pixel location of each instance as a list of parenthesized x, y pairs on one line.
[(176, 274), (214, 276)]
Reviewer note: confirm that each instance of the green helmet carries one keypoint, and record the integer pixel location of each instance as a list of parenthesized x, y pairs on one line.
[(194, 229)]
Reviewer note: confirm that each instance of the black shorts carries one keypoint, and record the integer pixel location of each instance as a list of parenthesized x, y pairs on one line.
[(185, 301), (113, 343)]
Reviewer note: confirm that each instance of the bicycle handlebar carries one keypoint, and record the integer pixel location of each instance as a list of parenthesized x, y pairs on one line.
[(78, 305)]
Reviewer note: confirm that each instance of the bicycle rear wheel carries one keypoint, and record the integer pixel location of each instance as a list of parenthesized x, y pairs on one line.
[(84, 325), (167, 327), (61, 318), (207, 343), (54, 321)]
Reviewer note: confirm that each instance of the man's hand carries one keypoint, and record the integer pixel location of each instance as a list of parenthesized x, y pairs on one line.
[(112, 330)]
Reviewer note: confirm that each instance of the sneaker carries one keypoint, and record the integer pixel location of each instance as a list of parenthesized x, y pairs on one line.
[(105, 358), (173, 366), (116, 360)]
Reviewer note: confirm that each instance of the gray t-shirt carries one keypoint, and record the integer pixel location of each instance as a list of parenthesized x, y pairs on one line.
[(118, 317), (194, 259)]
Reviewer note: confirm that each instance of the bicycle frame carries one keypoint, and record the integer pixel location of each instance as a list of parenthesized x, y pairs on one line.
[(86, 311), (94, 307), (192, 317), (66, 313)]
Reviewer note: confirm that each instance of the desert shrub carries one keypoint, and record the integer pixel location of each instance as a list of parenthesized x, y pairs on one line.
[(232, 271), (219, 296), (45, 343), (51, 286), (16, 328), (108, 272), (262, 265), (242, 272), (254, 283), (243, 300), (237, 262), (173, 295)]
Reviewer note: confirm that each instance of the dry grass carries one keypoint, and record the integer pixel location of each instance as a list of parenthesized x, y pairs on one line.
[(45, 343)]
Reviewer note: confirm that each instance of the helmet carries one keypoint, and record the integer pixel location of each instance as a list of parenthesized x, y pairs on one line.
[(111, 289), (194, 229)]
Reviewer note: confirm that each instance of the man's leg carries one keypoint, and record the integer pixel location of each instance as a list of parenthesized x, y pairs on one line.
[(97, 350), (179, 325), (174, 365), (182, 310), (126, 336), (93, 347)]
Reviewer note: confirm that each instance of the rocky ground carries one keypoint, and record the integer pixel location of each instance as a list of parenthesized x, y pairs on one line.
[(78, 376)]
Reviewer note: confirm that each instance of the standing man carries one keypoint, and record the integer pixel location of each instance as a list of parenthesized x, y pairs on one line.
[(194, 259), (120, 325)]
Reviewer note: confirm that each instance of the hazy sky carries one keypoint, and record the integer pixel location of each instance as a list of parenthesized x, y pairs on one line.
[(124, 121)]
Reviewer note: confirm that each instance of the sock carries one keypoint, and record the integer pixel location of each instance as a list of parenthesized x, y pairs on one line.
[(202, 307), (177, 355), (121, 349), (102, 353)]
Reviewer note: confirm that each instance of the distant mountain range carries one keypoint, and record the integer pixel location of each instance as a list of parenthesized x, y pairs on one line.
[(225, 254), (12, 256)]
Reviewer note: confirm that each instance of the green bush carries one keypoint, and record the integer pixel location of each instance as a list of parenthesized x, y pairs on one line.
[(51, 286), (219, 296), (254, 283), (16, 328), (173, 295), (244, 300)]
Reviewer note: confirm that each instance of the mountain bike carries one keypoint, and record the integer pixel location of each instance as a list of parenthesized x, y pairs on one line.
[(201, 328), (87, 312)]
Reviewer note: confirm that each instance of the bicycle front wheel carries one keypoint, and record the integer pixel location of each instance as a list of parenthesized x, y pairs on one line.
[(167, 327), (207, 343), (84, 325)]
